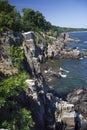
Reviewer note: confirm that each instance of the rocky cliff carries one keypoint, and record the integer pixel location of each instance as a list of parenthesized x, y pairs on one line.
[(79, 98), (6, 65), (40, 50), (49, 112), (41, 98)]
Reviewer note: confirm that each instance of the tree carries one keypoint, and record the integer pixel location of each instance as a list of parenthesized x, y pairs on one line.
[(34, 20), (9, 17), (28, 19), (16, 17), (5, 6)]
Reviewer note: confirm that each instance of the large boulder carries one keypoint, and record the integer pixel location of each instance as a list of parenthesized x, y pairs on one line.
[(14, 38), (79, 98)]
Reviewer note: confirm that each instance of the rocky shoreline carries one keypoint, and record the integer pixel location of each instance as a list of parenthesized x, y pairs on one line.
[(48, 110), (59, 50), (52, 113)]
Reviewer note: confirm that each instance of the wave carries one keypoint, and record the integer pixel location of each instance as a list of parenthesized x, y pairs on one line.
[(61, 69), (85, 42), (62, 75)]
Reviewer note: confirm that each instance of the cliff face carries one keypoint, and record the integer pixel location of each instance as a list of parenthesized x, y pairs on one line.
[(49, 112), (40, 52), (79, 98), (31, 54), (40, 96), (6, 65), (6, 41)]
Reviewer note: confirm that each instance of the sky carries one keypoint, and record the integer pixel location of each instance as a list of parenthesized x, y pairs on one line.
[(63, 13)]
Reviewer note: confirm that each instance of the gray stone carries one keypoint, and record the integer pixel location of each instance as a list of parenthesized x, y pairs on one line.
[(79, 98)]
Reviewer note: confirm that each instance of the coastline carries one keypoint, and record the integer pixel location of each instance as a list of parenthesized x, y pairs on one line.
[(77, 31), (48, 110), (51, 98)]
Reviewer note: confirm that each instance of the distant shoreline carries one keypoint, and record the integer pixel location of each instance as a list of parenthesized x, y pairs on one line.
[(77, 31)]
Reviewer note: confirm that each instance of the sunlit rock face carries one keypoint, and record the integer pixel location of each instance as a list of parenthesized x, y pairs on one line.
[(6, 40), (39, 103), (31, 54), (79, 98), (49, 112)]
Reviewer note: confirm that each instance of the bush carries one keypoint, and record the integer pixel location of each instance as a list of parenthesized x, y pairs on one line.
[(17, 56), (12, 116)]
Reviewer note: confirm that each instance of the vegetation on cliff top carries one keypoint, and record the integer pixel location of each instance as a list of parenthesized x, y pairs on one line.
[(11, 19)]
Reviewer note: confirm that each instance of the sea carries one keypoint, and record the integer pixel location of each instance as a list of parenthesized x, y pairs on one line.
[(76, 76)]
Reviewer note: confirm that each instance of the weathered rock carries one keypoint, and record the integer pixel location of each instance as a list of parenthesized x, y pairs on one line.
[(31, 54), (41, 104), (74, 53), (13, 38), (29, 35), (41, 107), (79, 98), (49, 112), (6, 65), (58, 48)]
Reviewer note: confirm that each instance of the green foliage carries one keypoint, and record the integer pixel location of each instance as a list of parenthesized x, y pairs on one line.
[(12, 86), (34, 20), (25, 119), (64, 29), (15, 16), (5, 6), (9, 17), (22, 121), (17, 55), (4, 21), (54, 31), (12, 116)]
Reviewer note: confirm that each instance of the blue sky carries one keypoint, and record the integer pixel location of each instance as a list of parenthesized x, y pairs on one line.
[(64, 13)]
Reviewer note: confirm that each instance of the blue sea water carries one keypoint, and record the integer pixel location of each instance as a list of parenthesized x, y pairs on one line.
[(77, 76), (82, 46)]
